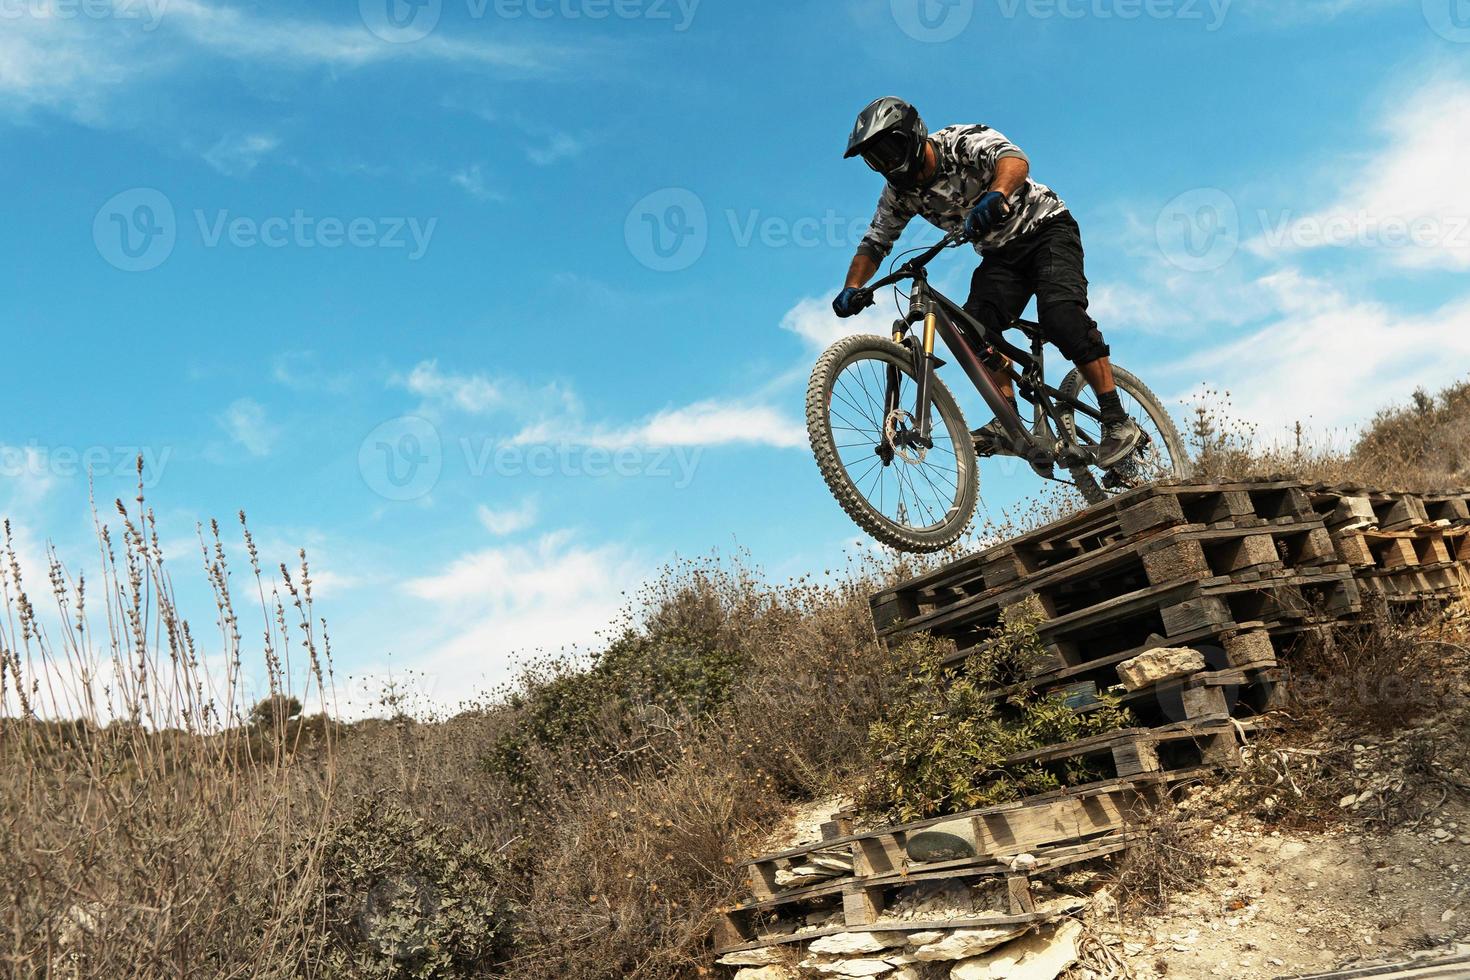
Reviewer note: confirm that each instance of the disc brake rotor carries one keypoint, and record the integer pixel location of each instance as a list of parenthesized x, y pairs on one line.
[(896, 429)]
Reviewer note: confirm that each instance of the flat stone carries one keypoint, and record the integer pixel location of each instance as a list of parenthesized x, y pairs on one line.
[(1039, 956), (943, 842), (851, 968), (965, 943), (1163, 664), (766, 973), (765, 956), (857, 943)]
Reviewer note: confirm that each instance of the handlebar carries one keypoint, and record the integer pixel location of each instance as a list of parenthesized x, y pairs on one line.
[(913, 265)]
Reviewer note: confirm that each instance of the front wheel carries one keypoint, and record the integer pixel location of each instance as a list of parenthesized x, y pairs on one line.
[(1163, 458), (911, 496)]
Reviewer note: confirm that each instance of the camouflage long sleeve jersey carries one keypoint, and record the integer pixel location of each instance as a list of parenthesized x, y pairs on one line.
[(967, 159)]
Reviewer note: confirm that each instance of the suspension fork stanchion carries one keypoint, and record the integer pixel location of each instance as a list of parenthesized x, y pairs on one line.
[(925, 366)]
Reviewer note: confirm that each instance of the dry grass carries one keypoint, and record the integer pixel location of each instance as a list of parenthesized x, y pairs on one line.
[(579, 825)]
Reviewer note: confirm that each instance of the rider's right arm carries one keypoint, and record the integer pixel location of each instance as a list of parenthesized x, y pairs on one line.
[(891, 218), (862, 269)]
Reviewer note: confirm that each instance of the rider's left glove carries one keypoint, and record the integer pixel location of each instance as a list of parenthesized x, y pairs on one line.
[(987, 215)]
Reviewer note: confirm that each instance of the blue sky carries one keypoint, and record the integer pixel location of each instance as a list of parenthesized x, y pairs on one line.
[(386, 277)]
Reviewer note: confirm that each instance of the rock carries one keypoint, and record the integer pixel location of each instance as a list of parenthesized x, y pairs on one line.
[(965, 943), (943, 842), (766, 973), (1040, 956), (850, 968), (1023, 862), (765, 956), (1163, 664), (925, 938), (857, 943)]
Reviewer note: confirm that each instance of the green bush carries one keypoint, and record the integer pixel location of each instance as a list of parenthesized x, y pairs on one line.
[(407, 899), (941, 746)]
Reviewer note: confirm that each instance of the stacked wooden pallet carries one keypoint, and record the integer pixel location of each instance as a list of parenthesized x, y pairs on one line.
[(1238, 571), (1406, 549)]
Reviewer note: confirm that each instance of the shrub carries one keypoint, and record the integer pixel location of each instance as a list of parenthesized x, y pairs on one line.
[(941, 746), (409, 898)]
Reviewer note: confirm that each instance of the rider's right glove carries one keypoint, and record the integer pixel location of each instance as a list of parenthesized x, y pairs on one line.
[(849, 302)]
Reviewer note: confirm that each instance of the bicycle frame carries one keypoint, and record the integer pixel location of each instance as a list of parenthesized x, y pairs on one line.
[(944, 319)]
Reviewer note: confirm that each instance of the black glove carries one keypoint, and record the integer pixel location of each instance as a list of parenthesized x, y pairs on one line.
[(850, 302)]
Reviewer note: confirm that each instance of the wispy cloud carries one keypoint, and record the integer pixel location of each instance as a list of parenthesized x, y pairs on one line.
[(1328, 357), (471, 180), (238, 156), (559, 146), (509, 520), (706, 423), (248, 425), (507, 601), (1408, 200), (474, 393)]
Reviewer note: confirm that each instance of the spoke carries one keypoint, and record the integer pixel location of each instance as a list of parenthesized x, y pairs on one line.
[(846, 401)]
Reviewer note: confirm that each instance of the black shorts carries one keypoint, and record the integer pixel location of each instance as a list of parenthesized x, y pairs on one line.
[(1046, 262)]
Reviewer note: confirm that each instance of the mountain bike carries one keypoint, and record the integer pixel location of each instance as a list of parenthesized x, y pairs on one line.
[(894, 448)]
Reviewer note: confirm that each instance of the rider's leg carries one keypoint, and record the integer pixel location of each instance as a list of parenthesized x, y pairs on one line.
[(1061, 296), (998, 294)]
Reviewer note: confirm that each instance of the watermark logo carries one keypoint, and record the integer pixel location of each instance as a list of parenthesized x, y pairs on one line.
[(932, 21), (136, 230), (1210, 13), (1199, 231), (400, 21), (668, 230), (1450, 19), (149, 12), (402, 459)]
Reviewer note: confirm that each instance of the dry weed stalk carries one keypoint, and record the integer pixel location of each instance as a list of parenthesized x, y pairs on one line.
[(149, 829)]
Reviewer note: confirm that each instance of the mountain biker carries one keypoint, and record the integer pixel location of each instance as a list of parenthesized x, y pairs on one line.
[(973, 178)]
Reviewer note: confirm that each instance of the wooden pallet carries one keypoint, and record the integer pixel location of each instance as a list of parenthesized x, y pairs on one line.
[(1220, 530), (1163, 557), (1169, 612), (862, 903)]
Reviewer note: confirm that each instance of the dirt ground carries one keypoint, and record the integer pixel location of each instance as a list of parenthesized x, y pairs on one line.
[(1282, 904)]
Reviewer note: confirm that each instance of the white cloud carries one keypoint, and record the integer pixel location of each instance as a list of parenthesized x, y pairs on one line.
[(83, 65), (508, 521), (559, 146), (813, 321), (238, 156), (303, 371), (517, 599), (248, 425), (471, 180), (1408, 199), (1329, 358), (706, 423), (472, 393)]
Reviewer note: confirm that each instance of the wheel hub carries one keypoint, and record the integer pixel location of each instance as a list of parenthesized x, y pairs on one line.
[(898, 432)]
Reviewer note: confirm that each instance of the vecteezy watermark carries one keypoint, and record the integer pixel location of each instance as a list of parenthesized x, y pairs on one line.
[(405, 21), (1450, 19), (668, 230), (932, 21), (149, 12), (95, 462), (1210, 13), (676, 465), (138, 229), (1364, 229), (402, 458), (1199, 231)]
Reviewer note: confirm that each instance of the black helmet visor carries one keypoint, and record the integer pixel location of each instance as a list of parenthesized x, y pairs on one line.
[(887, 152)]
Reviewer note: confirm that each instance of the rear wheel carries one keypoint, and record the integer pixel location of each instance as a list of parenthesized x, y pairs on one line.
[(907, 495), (1163, 458)]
